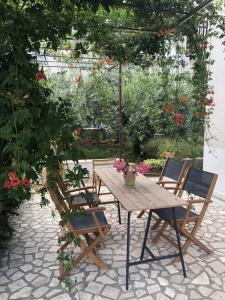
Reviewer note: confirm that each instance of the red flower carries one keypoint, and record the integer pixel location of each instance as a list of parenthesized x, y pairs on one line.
[(169, 107), (7, 185), (205, 45), (179, 119), (12, 183), (12, 175), (15, 182), (40, 75), (78, 79), (107, 61), (26, 182), (78, 130)]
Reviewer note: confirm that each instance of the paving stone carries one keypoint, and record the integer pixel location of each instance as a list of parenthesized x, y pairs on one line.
[(163, 281), (195, 295), (54, 282), (105, 280), (4, 296), (2, 288), (17, 285), (218, 295), (205, 291), (161, 296), (30, 276), (110, 292), (217, 267), (94, 288), (22, 293), (140, 293), (153, 288), (53, 292), (39, 292), (202, 279), (139, 284), (3, 280), (181, 297), (51, 257), (85, 296), (62, 297), (40, 280), (170, 292), (17, 275), (26, 267)]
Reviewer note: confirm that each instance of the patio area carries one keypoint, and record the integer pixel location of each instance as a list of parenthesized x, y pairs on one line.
[(29, 266)]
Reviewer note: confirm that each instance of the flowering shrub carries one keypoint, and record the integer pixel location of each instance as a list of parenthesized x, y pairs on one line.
[(13, 181), (40, 75), (130, 168)]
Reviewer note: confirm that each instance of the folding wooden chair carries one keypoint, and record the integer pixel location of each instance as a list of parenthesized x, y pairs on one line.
[(91, 221), (198, 186), (100, 163), (82, 196), (175, 170)]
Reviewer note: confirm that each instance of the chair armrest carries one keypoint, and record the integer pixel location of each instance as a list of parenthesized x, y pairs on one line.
[(195, 201), (81, 189), (95, 209), (167, 182), (171, 188)]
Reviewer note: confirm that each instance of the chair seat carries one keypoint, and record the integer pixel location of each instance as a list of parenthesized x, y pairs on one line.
[(166, 213), (79, 199), (87, 221)]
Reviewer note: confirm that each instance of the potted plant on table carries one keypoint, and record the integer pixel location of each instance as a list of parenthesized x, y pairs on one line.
[(130, 170)]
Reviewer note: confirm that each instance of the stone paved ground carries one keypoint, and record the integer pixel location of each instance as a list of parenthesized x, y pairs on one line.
[(29, 268)]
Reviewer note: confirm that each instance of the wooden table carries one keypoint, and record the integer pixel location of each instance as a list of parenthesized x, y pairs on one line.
[(145, 195)]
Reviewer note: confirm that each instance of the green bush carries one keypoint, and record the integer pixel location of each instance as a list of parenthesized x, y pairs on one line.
[(155, 163)]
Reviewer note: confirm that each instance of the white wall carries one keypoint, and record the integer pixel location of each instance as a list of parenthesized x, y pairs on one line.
[(214, 155)]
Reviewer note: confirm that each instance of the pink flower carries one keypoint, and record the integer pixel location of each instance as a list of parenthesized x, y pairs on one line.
[(143, 168)]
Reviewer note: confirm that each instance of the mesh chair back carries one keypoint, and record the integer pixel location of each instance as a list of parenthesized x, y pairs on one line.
[(199, 182), (173, 168)]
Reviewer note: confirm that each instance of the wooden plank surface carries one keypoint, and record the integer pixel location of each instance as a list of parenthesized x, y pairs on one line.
[(145, 195)]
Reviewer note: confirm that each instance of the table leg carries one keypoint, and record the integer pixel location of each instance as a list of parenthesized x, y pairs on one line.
[(146, 234), (119, 213), (128, 249), (178, 242)]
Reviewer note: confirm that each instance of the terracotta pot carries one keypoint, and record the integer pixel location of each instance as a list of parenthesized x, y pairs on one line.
[(129, 179)]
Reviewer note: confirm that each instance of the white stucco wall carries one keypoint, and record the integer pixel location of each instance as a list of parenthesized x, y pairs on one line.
[(214, 155)]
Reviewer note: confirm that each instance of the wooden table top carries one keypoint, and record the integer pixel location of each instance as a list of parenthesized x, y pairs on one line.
[(145, 195)]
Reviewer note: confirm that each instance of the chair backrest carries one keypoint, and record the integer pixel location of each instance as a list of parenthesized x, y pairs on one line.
[(174, 169), (200, 183), (58, 200), (61, 185), (102, 162)]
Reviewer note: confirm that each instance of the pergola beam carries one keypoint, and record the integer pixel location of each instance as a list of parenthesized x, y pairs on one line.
[(186, 18)]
